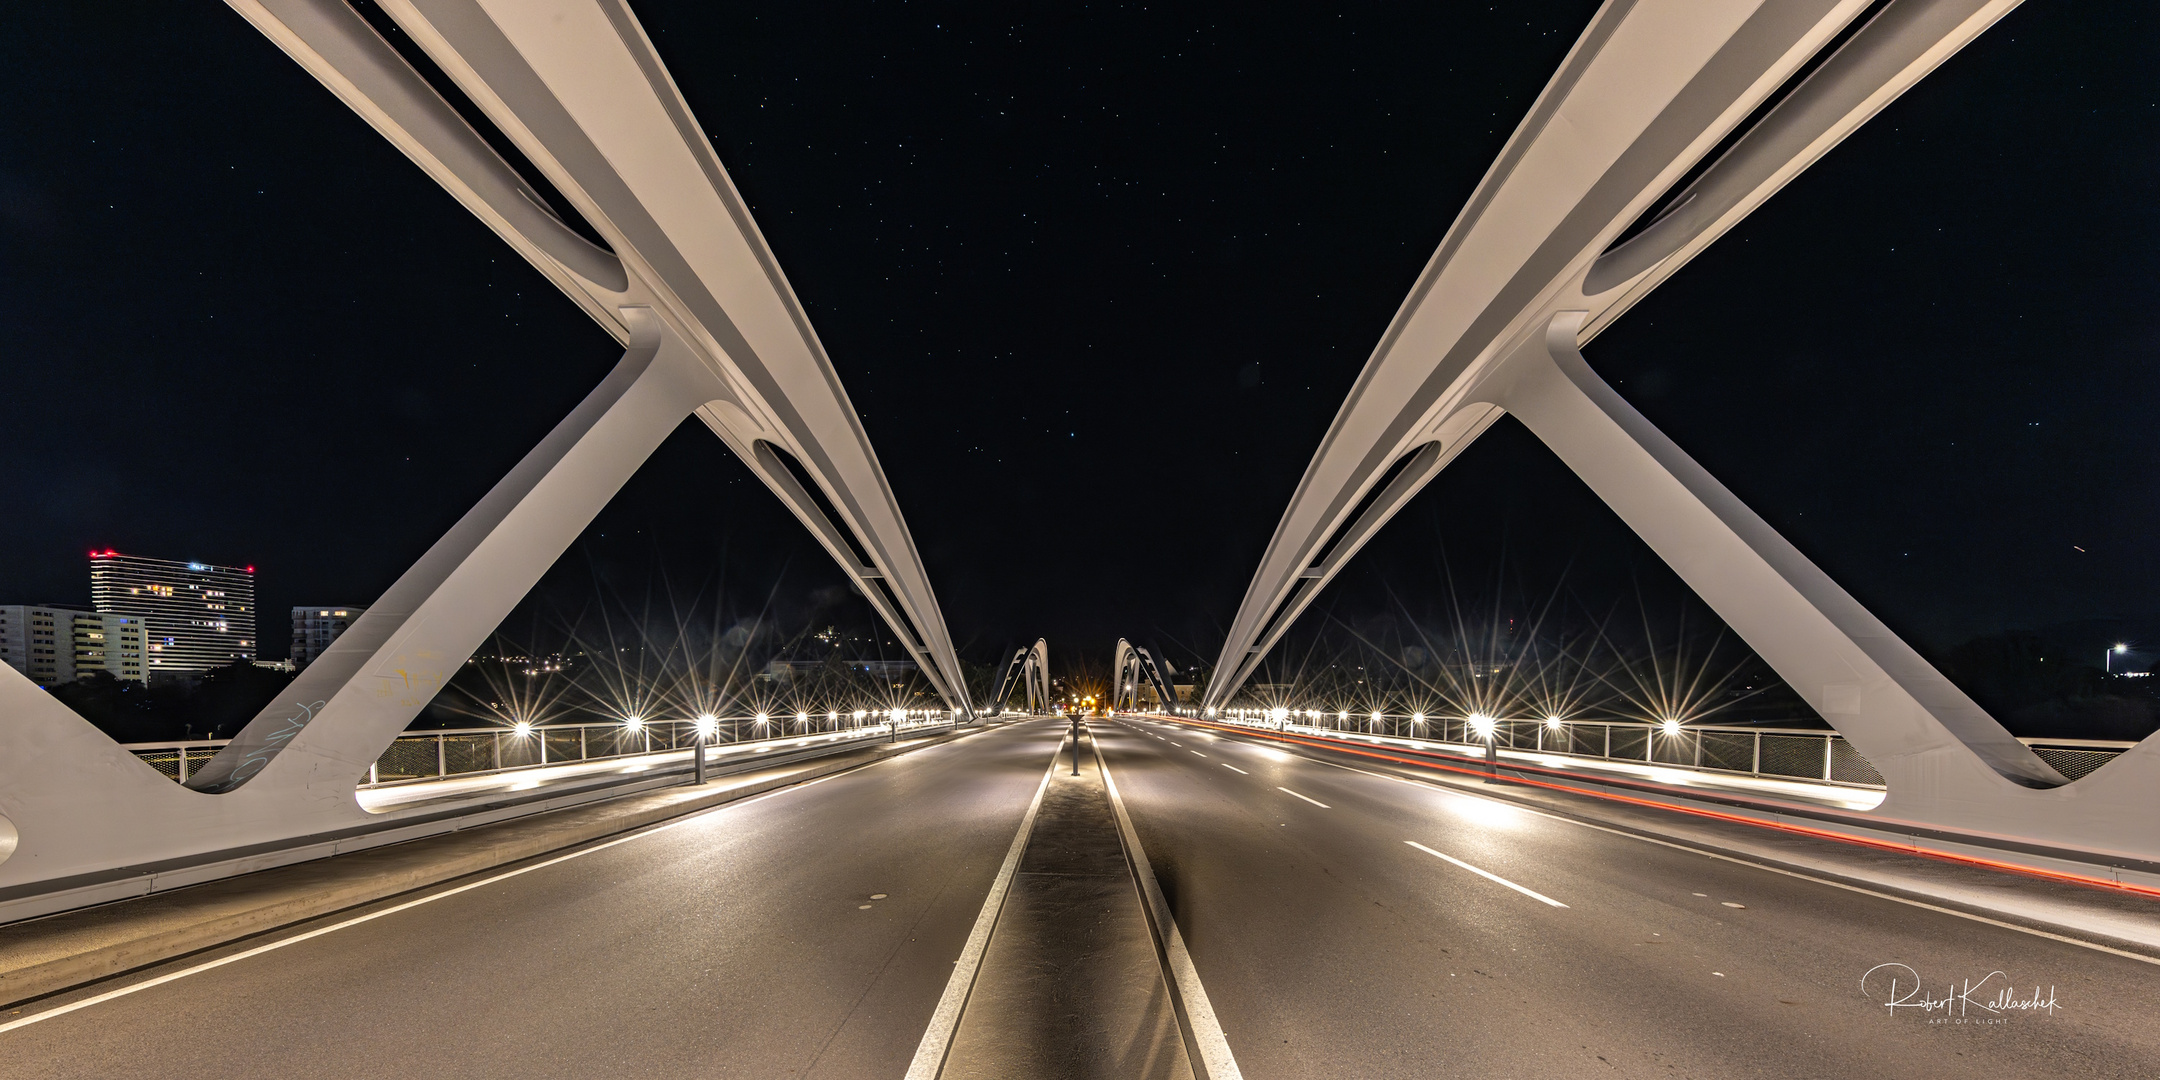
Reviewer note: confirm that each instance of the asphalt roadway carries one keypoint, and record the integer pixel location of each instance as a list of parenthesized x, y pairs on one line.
[(743, 941), (1344, 923), (1333, 947)]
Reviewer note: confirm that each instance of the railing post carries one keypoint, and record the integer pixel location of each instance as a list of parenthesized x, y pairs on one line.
[(581, 754), (183, 763), (1755, 767), (1826, 757), (442, 759), (542, 735), (1607, 755), (495, 748), (371, 774), (1698, 749)]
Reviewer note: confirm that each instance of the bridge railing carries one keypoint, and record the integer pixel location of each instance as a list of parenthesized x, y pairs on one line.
[(475, 751), (1807, 754)]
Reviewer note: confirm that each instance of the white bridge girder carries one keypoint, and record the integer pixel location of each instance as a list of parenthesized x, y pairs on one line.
[(710, 326), (1531, 270)]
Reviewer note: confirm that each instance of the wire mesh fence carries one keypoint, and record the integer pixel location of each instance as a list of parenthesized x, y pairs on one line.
[(1848, 767), (1818, 756), (2072, 762), (475, 751)]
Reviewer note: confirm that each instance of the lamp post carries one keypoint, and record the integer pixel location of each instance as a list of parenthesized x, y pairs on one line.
[(2107, 659), (706, 725), (1484, 727), (1076, 741)]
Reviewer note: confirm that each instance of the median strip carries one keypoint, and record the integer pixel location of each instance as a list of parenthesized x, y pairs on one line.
[(937, 1039)]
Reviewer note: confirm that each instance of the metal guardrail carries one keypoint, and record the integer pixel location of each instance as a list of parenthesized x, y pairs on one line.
[(1805, 754), (436, 755)]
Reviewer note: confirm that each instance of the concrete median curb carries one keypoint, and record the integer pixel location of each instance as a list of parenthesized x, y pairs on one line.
[(45, 956)]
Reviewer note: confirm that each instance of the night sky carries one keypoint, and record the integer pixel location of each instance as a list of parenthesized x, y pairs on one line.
[(1097, 278)]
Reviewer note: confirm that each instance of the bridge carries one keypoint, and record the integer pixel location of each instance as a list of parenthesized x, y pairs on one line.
[(1254, 881)]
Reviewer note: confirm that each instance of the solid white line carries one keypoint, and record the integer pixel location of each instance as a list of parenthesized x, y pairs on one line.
[(258, 950), (1203, 1033), (1235, 769), (945, 1022), (1313, 801), (1488, 875), (1196, 753)]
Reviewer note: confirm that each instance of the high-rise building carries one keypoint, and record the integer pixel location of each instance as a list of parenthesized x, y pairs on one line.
[(314, 628), (53, 645), (197, 616)]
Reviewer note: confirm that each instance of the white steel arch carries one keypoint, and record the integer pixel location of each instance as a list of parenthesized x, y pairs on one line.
[(1533, 268), (710, 326), (1031, 666), (1131, 667)]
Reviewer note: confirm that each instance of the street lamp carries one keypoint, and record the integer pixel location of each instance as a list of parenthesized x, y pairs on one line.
[(706, 724), (2107, 659), (1483, 726)]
